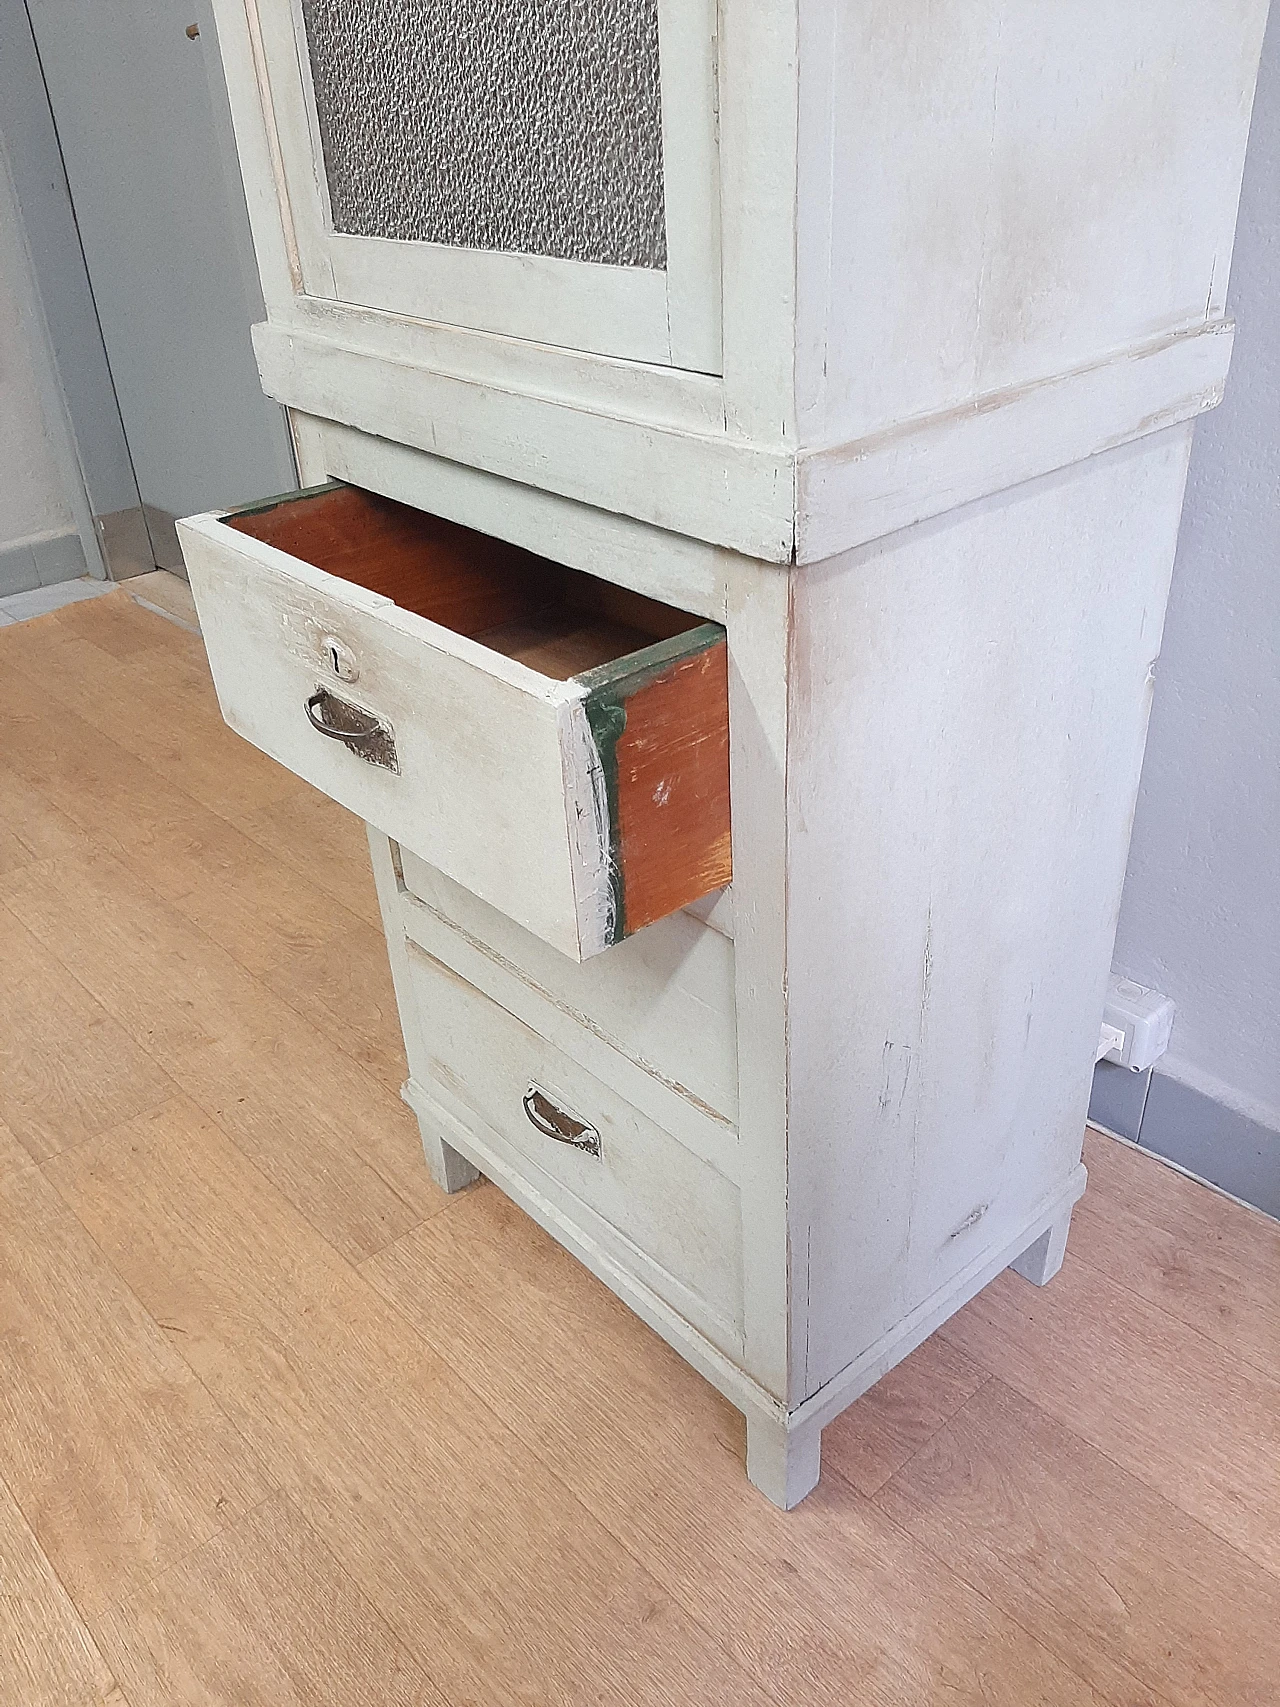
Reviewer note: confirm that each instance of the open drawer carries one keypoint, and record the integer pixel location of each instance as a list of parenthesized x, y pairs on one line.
[(555, 743)]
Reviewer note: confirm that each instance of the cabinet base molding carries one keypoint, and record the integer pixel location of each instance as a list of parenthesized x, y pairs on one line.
[(783, 1447), (1050, 1220)]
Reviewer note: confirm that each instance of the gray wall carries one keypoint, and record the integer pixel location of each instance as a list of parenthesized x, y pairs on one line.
[(1201, 913), (30, 143), (31, 496), (144, 130), (153, 266), (42, 504)]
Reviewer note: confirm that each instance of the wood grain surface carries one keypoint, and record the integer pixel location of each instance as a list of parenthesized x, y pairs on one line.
[(672, 777), (280, 1425), (47, 1657), (467, 581)]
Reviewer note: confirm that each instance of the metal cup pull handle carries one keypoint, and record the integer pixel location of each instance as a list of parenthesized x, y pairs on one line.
[(356, 728), (556, 1122)]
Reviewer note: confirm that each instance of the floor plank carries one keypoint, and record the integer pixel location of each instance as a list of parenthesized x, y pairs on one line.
[(169, 594), (340, 1145), (904, 1410), (12, 1154), (158, 705), (13, 851), (261, 1616), (344, 988), (1150, 1604), (34, 827), (113, 629), (319, 955), (488, 1568), (223, 881), (47, 1657), (67, 1070), (119, 1459), (1199, 1256), (1187, 1416), (322, 842), (827, 1599)]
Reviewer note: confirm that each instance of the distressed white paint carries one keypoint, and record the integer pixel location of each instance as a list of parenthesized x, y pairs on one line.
[(631, 312), (1043, 1259), (925, 467), (662, 1000), (448, 1167), (590, 854), (966, 698), (968, 708), (741, 495), (691, 181), (1016, 191)]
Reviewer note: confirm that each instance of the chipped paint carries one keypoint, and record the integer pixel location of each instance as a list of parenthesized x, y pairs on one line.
[(591, 831), (970, 1220)]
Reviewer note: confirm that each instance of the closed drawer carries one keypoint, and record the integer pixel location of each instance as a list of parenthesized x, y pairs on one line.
[(555, 744), (664, 1001), (664, 1214)]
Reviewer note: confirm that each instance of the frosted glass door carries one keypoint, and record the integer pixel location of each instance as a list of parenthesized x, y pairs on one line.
[(544, 168), (527, 125)]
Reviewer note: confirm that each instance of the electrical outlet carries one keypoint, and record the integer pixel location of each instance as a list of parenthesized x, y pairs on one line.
[(1110, 1044), (1143, 1019)]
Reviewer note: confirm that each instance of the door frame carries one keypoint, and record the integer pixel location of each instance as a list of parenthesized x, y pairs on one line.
[(46, 264), (667, 318)]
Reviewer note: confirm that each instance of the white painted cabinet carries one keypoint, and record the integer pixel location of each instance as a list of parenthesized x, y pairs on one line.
[(865, 343)]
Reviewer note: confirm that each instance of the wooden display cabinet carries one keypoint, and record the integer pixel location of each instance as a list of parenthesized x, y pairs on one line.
[(791, 499)]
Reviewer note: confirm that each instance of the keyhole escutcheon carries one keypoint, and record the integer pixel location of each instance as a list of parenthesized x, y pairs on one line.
[(339, 658)]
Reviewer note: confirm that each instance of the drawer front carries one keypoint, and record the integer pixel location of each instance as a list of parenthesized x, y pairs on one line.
[(663, 1213), (542, 796), (665, 999), (479, 783)]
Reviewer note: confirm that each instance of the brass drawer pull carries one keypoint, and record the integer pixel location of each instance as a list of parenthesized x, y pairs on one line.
[(357, 729), (558, 1123)]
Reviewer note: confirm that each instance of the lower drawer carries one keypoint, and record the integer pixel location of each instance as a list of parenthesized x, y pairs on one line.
[(661, 1212), (664, 998)]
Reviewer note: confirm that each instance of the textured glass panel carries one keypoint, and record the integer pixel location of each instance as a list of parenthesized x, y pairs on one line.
[(530, 125)]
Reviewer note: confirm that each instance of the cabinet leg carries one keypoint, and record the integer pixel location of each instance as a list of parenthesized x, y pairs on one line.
[(448, 1167), (783, 1462), (1041, 1261)]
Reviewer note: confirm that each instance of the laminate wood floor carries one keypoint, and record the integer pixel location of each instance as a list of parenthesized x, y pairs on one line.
[(281, 1426)]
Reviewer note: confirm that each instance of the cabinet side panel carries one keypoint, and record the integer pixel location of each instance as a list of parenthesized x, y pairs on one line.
[(996, 192), (968, 712)]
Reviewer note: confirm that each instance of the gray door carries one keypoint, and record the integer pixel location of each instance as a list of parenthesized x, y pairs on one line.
[(140, 109)]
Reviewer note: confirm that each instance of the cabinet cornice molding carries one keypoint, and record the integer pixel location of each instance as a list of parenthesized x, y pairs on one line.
[(767, 501)]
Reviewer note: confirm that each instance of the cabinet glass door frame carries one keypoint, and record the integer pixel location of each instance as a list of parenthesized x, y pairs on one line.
[(669, 317)]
